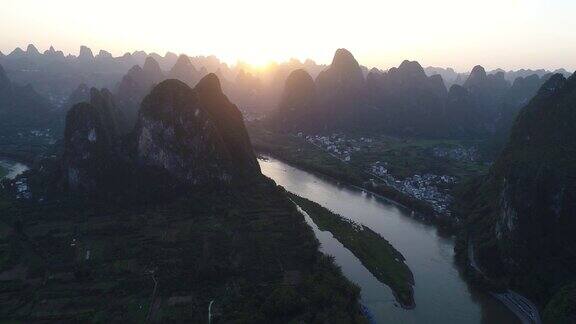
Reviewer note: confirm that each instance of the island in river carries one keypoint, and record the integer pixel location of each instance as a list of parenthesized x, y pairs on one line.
[(375, 253)]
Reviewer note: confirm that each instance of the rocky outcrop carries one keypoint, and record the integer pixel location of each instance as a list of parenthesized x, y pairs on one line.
[(80, 94), (194, 135), (184, 138), (521, 216), (406, 101), (31, 50), (135, 85), (85, 54), (341, 92), (151, 69), (21, 106), (298, 108), (87, 158), (103, 55), (93, 151), (184, 71), (54, 54), (113, 118), (17, 53), (486, 89), (343, 76), (229, 121)]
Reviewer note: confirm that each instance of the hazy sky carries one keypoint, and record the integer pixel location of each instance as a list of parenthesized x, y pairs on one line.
[(510, 34)]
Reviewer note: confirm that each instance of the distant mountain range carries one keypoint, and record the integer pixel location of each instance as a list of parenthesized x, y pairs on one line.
[(56, 75), (22, 108), (451, 77), (403, 101)]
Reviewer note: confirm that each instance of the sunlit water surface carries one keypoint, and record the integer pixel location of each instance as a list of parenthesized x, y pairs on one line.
[(441, 294), (14, 168)]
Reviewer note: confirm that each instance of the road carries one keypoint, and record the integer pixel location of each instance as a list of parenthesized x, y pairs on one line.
[(523, 308)]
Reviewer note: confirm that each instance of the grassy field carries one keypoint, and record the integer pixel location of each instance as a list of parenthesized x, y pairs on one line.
[(375, 253)]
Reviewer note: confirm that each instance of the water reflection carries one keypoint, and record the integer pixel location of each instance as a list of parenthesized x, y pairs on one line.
[(441, 294)]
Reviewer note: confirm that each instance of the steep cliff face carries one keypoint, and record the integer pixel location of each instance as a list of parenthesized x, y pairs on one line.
[(92, 156), (183, 137), (521, 216), (298, 107), (407, 101), (22, 106), (341, 92), (80, 94), (197, 136), (229, 121), (113, 118), (486, 90), (343, 75), (176, 135), (136, 84), (184, 71), (87, 157), (537, 170)]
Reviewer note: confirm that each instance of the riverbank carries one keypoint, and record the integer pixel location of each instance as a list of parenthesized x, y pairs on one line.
[(442, 294), (298, 152), (10, 168), (522, 307), (374, 252)]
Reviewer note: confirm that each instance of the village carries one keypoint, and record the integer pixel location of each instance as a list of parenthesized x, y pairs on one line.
[(431, 188)]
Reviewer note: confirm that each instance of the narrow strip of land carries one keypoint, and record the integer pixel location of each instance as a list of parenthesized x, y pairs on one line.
[(373, 251)]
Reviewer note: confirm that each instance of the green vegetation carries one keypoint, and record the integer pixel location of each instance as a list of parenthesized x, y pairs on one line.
[(520, 216), (248, 249), (375, 253), (297, 151), (403, 157), (3, 172), (408, 156), (562, 307)]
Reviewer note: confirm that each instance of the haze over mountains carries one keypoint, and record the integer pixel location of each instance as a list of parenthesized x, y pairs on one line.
[(403, 101), (55, 74), (146, 129)]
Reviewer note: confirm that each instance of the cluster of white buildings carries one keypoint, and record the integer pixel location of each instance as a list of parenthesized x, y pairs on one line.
[(459, 153), (59, 101), (41, 132), (430, 188), (338, 145)]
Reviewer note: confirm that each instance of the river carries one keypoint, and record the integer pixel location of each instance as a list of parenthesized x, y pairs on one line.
[(440, 292), (13, 168)]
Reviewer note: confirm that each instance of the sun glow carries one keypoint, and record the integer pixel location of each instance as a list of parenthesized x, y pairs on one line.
[(380, 33)]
